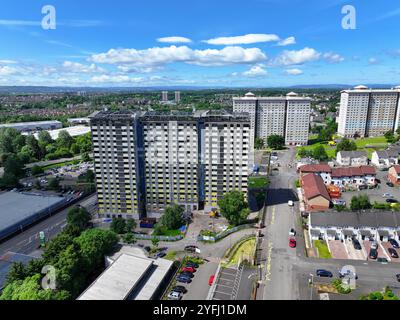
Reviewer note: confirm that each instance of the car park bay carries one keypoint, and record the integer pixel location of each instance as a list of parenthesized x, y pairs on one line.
[(353, 253), (337, 249), (386, 246)]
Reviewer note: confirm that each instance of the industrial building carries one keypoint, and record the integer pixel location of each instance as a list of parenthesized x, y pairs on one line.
[(145, 161), (73, 132), (33, 126), (131, 275), (368, 112), (20, 210)]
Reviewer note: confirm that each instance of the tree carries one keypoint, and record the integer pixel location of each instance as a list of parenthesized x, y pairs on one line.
[(275, 141), (319, 153), (16, 272), (346, 145), (360, 203), (36, 170), (155, 242), (130, 225), (304, 153), (390, 138), (259, 143), (173, 217), (54, 184), (45, 138), (78, 217), (118, 225), (64, 140), (129, 238), (33, 146), (233, 207), (84, 143)]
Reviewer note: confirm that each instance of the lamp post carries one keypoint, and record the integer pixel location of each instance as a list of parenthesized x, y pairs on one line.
[(311, 281)]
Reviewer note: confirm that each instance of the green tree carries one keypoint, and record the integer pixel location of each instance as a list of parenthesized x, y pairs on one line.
[(57, 245), (346, 145), (360, 203), (45, 138), (304, 153), (118, 225), (155, 242), (173, 217), (84, 143), (16, 272), (78, 217), (54, 184), (64, 140), (33, 146), (319, 153), (36, 170), (275, 141), (259, 143), (233, 207), (130, 225), (390, 138)]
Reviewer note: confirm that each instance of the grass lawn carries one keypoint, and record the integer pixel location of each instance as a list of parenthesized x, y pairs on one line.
[(363, 142), (171, 255), (59, 165), (322, 249), (172, 233), (330, 151), (246, 249), (258, 182)]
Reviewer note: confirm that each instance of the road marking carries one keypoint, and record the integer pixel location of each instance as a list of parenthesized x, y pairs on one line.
[(273, 215), (268, 263)]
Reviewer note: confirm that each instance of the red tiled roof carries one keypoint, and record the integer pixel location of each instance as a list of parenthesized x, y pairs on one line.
[(352, 171), (397, 169), (314, 186), (308, 168)]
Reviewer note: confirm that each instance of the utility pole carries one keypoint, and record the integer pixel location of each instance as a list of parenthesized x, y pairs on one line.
[(312, 285)]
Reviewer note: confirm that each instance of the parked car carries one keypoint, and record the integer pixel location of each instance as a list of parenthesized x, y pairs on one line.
[(383, 260), (161, 254), (339, 202), (188, 269), (175, 295), (398, 277), (391, 201), (290, 203), (390, 184), (181, 289), (373, 254), (211, 280), (346, 272), (387, 195), (394, 243), (356, 244), (393, 253), (191, 248), (147, 248), (183, 279), (192, 264), (187, 274), (324, 273), (292, 242), (374, 245), (292, 232), (362, 187)]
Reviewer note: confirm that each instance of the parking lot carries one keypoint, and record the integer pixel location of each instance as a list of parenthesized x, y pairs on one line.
[(226, 284)]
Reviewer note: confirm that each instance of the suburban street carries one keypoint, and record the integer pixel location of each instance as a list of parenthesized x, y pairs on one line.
[(27, 242)]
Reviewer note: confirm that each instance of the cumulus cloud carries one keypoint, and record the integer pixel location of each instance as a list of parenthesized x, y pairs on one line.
[(161, 56), (76, 67), (174, 39), (114, 79), (287, 41), (245, 39), (333, 57), (293, 72), (373, 61), (256, 71), (296, 57), (6, 71)]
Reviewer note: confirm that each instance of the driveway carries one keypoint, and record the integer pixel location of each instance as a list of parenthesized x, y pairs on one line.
[(337, 249), (353, 253), (381, 253), (386, 246)]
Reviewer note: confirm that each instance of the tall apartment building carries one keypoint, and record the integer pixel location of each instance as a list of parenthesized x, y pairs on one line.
[(368, 112), (117, 152), (147, 161), (287, 116), (177, 96), (164, 96)]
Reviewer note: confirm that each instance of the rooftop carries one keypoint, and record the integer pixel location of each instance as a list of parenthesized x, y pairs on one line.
[(315, 168), (353, 171), (313, 186), (16, 206), (73, 131), (353, 154)]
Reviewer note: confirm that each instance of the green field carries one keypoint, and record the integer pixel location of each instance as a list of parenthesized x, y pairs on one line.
[(258, 182), (322, 249), (330, 151)]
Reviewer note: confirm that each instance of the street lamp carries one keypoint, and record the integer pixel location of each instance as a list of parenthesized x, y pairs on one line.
[(311, 282)]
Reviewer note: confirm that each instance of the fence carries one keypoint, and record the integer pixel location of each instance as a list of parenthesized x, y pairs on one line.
[(225, 233), (139, 236)]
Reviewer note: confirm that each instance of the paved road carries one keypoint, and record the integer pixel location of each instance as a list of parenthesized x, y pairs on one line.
[(28, 241)]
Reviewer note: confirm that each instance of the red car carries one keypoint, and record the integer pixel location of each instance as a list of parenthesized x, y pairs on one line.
[(188, 269), (211, 280), (292, 242)]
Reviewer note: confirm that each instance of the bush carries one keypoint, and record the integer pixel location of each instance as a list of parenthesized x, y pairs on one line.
[(36, 170)]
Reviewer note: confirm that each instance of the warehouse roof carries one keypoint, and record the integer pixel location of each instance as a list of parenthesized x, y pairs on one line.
[(73, 131), (16, 206)]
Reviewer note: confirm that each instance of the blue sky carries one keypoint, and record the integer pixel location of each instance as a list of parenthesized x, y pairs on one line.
[(258, 43)]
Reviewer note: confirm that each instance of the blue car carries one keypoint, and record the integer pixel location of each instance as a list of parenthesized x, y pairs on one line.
[(183, 279), (394, 243), (324, 273)]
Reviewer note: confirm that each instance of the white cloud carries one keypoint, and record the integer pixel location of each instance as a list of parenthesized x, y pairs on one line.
[(6, 71), (245, 39), (293, 72), (373, 61), (256, 71), (161, 56), (296, 57), (76, 67), (333, 57), (114, 79), (8, 62), (287, 41), (174, 39)]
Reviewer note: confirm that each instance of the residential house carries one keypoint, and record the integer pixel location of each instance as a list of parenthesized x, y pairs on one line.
[(394, 174), (353, 176), (352, 158), (323, 170), (370, 225), (315, 194), (385, 158)]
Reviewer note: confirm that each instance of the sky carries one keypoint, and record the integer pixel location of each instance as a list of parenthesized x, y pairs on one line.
[(252, 43)]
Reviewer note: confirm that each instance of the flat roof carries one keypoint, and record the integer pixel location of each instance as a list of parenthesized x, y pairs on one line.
[(73, 131), (16, 206), (128, 273), (18, 124)]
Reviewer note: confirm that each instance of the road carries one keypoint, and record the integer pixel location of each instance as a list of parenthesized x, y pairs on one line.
[(27, 242)]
